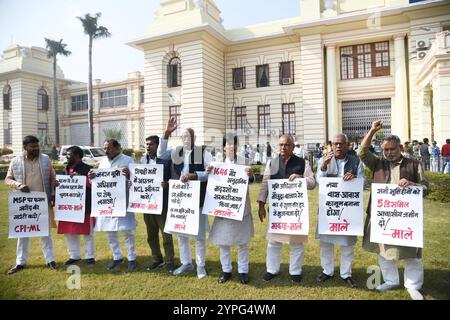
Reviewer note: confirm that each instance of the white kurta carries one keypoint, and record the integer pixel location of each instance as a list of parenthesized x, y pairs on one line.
[(337, 239), (164, 153), (116, 223), (310, 184), (228, 232)]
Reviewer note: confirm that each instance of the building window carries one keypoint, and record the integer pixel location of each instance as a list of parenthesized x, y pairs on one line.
[(174, 73), (113, 98), (241, 118), (262, 75), (239, 78), (80, 102), (42, 100), (175, 112), (7, 97), (42, 130), (7, 134), (142, 94), (286, 72), (264, 119), (365, 60), (288, 118)]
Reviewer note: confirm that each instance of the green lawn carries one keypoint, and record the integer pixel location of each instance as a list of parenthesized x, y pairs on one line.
[(39, 282)]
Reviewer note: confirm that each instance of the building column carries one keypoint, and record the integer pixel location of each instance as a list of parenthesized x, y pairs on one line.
[(334, 124), (400, 123)]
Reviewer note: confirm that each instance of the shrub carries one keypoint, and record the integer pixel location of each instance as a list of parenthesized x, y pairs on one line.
[(138, 154), (439, 186), (5, 151), (127, 152)]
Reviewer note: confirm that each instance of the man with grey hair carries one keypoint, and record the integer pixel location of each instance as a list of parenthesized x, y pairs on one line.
[(189, 163), (396, 169), (338, 164), (286, 165)]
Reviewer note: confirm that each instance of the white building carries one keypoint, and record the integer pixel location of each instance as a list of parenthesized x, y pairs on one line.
[(335, 68), (27, 104), (118, 106)]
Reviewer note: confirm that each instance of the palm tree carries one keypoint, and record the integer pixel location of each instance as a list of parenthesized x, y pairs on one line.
[(54, 48), (94, 31)]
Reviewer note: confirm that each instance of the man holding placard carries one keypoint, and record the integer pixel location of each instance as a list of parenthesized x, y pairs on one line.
[(121, 221), (338, 164), (155, 222), (228, 227), (394, 169), (72, 230), (32, 171), (284, 166), (189, 163)]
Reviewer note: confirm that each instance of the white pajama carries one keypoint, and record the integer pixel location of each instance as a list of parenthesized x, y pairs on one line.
[(274, 258), (130, 243), (23, 249), (225, 258), (327, 259), (185, 251), (74, 246), (413, 275)]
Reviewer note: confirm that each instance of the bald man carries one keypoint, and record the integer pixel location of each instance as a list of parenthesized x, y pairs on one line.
[(189, 163)]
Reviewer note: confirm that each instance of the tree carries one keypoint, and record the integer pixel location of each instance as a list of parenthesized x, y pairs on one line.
[(54, 48), (113, 134), (94, 31)]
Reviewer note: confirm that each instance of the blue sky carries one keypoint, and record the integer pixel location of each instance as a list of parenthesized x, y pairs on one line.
[(27, 22)]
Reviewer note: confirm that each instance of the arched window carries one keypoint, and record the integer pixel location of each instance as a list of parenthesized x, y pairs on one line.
[(174, 73), (42, 100), (7, 97)]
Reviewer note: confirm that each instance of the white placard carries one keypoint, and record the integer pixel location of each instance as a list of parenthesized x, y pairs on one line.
[(341, 210), (397, 215), (146, 193), (70, 198), (288, 206), (226, 191), (28, 214), (183, 207), (108, 193)]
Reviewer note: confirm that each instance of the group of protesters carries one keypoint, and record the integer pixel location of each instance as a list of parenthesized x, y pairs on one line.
[(33, 171)]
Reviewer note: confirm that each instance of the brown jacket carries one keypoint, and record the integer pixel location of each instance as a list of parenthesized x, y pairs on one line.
[(411, 170)]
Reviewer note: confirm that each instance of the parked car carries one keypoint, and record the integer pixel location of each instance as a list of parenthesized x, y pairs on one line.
[(92, 155)]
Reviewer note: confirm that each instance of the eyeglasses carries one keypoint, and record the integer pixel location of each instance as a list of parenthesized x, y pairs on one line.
[(286, 145), (339, 143)]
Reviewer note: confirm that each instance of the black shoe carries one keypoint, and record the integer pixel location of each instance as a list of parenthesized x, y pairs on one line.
[(52, 265), (297, 278), (155, 265), (323, 277), (224, 277), (350, 282), (90, 261), (15, 269), (132, 265), (269, 276), (170, 267), (114, 264), (71, 261), (243, 278)]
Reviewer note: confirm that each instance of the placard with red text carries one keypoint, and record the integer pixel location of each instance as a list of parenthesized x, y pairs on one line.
[(28, 214), (397, 215), (226, 192), (341, 208), (288, 206), (70, 198)]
